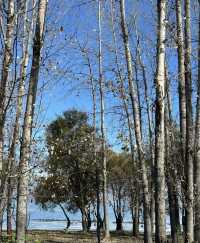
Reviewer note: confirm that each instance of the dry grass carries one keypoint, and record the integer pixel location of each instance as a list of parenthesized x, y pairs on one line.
[(78, 237), (47, 236)]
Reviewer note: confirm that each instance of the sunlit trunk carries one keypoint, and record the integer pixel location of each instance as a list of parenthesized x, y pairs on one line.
[(103, 131), (22, 192), (137, 125), (159, 126)]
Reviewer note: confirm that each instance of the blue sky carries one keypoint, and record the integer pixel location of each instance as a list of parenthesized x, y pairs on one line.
[(64, 72)]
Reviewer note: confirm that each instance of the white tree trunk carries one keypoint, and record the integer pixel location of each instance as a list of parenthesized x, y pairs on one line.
[(19, 108), (22, 192), (7, 60), (103, 132), (159, 126), (137, 125)]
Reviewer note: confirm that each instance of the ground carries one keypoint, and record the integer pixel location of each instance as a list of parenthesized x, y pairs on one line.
[(78, 237)]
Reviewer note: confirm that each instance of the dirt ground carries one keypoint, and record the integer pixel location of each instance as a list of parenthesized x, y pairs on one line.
[(46, 236), (78, 237)]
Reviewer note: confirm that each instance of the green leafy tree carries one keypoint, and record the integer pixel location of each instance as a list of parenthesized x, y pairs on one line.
[(70, 166)]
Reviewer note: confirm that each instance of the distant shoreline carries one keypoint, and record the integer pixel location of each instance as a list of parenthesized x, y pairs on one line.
[(72, 221)]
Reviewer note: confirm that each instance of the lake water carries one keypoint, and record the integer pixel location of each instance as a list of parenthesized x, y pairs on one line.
[(54, 219)]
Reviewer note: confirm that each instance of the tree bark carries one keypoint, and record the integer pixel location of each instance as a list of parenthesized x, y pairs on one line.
[(103, 132), (174, 210), (189, 234), (182, 96), (93, 95), (136, 217), (10, 179), (123, 97), (84, 220), (7, 60), (171, 168), (159, 127), (22, 191), (119, 221), (197, 151), (9, 210), (136, 113), (150, 128), (181, 78), (66, 216)]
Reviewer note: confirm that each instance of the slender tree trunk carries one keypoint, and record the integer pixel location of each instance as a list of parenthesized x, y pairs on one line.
[(89, 220), (189, 236), (136, 216), (171, 165), (138, 91), (7, 181), (129, 121), (19, 106), (103, 134), (95, 160), (159, 127), (9, 210), (119, 221), (7, 60), (181, 77), (93, 94), (22, 192), (136, 113), (174, 210), (170, 177), (197, 152), (66, 216), (84, 220), (182, 96), (150, 127)]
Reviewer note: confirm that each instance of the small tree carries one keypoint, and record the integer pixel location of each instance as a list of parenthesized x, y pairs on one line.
[(117, 178), (49, 193)]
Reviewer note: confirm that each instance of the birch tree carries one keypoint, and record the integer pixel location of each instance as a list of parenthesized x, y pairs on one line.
[(159, 125), (27, 28), (6, 63), (22, 191), (181, 76), (137, 126), (189, 234), (7, 60), (150, 124), (94, 111), (102, 121)]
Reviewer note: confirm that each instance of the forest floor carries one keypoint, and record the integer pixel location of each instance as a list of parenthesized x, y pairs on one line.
[(50, 236), (46, 236)]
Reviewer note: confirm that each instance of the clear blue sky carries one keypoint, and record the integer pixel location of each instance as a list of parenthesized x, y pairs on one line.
[(67, 88)]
